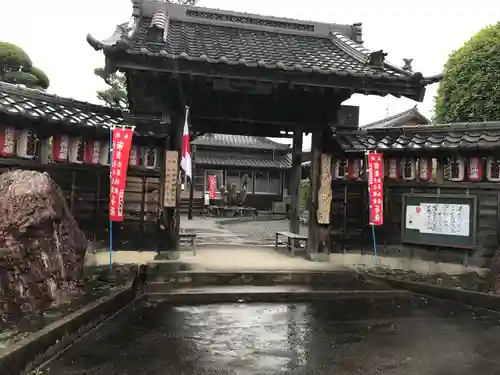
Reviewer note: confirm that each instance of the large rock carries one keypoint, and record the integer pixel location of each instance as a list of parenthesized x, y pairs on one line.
[(42, 249)]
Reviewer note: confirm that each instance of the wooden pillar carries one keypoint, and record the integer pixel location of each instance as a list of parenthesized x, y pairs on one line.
[(191, 183), (168, 236), (312, 243), (162, 222), (295, 182)]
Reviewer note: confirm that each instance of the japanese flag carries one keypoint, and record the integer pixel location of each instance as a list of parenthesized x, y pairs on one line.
[(186, 164)]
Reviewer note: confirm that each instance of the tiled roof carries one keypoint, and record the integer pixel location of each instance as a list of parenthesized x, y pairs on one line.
[(231, 45), (238, 141), (238, 159), (181, 33), (430, 137), (399, 119), (35, 104)]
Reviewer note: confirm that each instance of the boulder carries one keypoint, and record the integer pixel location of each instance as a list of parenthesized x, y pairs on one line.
[(42, 249)]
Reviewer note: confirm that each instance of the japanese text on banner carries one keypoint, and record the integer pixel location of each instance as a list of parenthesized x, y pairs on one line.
[(121, 145), (116, 201), (211, 186), (376, 187)]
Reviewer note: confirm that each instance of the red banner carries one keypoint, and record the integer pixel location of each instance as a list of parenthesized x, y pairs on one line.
[(121, 145), (211, 186), (376, 187)]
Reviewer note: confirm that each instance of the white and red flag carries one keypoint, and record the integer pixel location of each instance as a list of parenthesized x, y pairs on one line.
[(186, 164)]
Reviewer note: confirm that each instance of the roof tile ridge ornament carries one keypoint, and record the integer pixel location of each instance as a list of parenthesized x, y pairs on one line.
[(362, 54), (376, 60), (407, 64), (160, 19), (123, 33), (357, 32), (249, 21)]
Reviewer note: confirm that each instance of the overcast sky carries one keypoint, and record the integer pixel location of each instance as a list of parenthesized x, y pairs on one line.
[(53, 33)]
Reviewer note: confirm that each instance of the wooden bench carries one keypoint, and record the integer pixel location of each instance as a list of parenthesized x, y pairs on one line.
[(189, 238), (292, 243)]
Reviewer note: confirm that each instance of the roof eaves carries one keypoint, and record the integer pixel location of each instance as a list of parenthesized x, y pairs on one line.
[(35, 94), (119, 40), (36, 104), (467, 127)]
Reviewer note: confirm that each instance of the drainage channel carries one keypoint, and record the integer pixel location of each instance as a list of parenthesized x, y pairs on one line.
[(282, 323)]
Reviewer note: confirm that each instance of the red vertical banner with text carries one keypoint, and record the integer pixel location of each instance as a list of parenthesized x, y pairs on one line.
[(121, 145), (376, 187), (211, 186)]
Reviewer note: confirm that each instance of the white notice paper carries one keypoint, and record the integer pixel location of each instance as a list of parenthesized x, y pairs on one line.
[(413, 217), (447, 219)]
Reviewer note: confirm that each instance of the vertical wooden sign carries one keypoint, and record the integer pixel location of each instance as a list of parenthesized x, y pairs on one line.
[(171, 176), (325, 190)]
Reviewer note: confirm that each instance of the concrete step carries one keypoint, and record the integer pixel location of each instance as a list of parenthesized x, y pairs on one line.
[(273, 294)]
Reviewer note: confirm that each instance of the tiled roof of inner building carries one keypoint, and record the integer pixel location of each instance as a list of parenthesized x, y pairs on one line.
[(35, 104), (231, 159), (239, 141), (399, 119), (224, 37), (432, 137)]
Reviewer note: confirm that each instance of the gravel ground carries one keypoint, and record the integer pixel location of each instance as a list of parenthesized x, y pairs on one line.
[(260, 230), (229, 231)]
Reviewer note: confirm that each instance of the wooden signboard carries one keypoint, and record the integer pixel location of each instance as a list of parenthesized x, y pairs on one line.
[(325, 190), (439, 220), (171, 176)]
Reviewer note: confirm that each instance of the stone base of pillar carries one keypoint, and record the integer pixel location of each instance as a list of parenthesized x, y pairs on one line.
[(168, 255), (318, 257)]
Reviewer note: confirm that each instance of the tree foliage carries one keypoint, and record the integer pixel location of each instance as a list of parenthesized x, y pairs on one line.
[(470, 89), (17, 67), (115, 96)]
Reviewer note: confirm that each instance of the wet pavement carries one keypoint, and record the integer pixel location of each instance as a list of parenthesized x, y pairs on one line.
[(406, 335), (230, 231)]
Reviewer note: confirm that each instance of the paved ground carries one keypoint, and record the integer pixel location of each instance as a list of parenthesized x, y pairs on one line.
[(221, 258), (246, 259), (411, 336), (214, 230), (226, 244)]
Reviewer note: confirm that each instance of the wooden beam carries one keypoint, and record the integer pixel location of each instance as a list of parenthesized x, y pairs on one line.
[(410, 87), (295, 182)]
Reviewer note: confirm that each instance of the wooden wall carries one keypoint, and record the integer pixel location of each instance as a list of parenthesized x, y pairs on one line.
[(351, 231)]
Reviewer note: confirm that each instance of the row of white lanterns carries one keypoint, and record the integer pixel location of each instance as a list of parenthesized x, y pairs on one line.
[(458, 168), (63, 148)]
